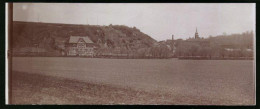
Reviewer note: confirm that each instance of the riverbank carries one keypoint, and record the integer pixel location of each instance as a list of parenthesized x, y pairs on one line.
[(215, 58), (181, 58)]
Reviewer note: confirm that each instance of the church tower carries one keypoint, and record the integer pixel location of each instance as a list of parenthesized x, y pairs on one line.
[(196, 34)]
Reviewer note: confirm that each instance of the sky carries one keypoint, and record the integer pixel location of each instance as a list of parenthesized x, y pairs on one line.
[(158, 20)]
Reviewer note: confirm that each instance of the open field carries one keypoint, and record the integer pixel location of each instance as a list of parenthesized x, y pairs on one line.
[(31, 88), (225, 82)]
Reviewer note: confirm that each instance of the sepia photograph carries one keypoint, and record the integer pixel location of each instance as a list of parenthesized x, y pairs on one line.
[(131, 53)]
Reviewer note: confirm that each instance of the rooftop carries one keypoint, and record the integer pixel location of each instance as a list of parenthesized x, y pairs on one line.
[(75, 39)]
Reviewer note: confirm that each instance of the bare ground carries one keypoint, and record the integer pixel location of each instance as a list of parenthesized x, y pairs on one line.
[(39, 89), (30, 88)]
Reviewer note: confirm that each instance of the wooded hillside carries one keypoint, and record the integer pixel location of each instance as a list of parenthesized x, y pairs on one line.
[(52, 37)]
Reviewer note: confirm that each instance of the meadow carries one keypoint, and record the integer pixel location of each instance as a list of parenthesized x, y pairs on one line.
[(221, 82)]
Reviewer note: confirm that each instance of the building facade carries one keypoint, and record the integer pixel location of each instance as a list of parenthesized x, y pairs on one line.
[(80, 46)]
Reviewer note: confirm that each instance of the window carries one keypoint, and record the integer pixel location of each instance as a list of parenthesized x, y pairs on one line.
[(81, 44)]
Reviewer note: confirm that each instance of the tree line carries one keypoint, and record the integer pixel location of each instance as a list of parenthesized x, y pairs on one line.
[(234, 45)]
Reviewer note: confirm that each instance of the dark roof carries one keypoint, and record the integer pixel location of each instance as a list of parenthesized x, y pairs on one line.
[(75, 39)]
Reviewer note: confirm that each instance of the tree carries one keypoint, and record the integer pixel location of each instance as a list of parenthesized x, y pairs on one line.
[(193, 49)]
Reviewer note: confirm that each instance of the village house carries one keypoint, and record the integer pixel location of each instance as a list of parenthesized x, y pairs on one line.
[(80, 46)]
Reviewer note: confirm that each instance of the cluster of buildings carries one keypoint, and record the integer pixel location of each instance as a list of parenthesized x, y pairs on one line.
[(172, 44), (196, 40), (84, 46)]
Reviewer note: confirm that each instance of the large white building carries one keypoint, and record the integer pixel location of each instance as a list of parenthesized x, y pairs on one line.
[(80, 46)]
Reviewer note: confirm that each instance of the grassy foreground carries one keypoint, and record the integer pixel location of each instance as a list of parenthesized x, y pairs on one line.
[(38, 89), (30, 88)]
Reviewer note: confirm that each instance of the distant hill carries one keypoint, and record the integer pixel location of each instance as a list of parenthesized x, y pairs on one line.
[(243, 40), (234, 45), (52, 37)]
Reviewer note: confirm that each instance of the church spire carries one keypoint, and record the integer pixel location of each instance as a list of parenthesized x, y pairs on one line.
[(196, 34)]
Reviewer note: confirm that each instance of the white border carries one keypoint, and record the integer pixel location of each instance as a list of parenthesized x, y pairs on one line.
[(254, 65), (6, 54)]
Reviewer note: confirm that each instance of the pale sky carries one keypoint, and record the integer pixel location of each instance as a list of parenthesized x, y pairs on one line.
[(158, 20)]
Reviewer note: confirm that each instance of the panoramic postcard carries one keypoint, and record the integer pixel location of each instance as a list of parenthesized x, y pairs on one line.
[(133, 53)]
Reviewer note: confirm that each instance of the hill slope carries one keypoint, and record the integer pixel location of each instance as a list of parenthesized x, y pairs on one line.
[(52, 37)]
